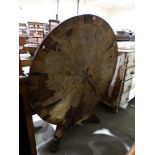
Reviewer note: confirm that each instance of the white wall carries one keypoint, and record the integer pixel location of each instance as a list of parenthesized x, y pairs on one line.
[(122, 19), (37, 10), (43, 10), (95, 9), (67, 9)]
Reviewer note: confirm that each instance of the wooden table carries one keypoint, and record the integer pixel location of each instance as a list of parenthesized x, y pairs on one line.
[(26, 59), (121, 89), (132, 150), (27, 144), (31, 48)]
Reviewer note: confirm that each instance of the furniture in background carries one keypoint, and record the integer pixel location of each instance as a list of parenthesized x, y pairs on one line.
[(26, 60), (31, 40), (31, 48), (35, 32), (22, 37), (121, 89), (22, 29), (32, 34), (128, 90), (27, 143), (53, 23), (46, 29), (22, 42), (125, 35)]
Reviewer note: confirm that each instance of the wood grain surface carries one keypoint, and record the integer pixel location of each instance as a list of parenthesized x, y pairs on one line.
[(72, 69)]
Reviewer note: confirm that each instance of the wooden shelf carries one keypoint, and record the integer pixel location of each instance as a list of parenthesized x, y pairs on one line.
[(35, 36), (22, 29), (35, 31)]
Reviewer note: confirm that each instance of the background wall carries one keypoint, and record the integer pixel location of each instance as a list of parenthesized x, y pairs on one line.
[(43, 10), (95, 9), (37, 10), (123, 19)]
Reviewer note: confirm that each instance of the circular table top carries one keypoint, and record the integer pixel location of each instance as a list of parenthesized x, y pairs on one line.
[(72, 69)]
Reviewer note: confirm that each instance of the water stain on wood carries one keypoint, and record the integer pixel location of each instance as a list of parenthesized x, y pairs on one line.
[(69, 33)]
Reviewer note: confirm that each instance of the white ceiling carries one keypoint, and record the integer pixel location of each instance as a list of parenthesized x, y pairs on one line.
[(112, 4), (109, 4)]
